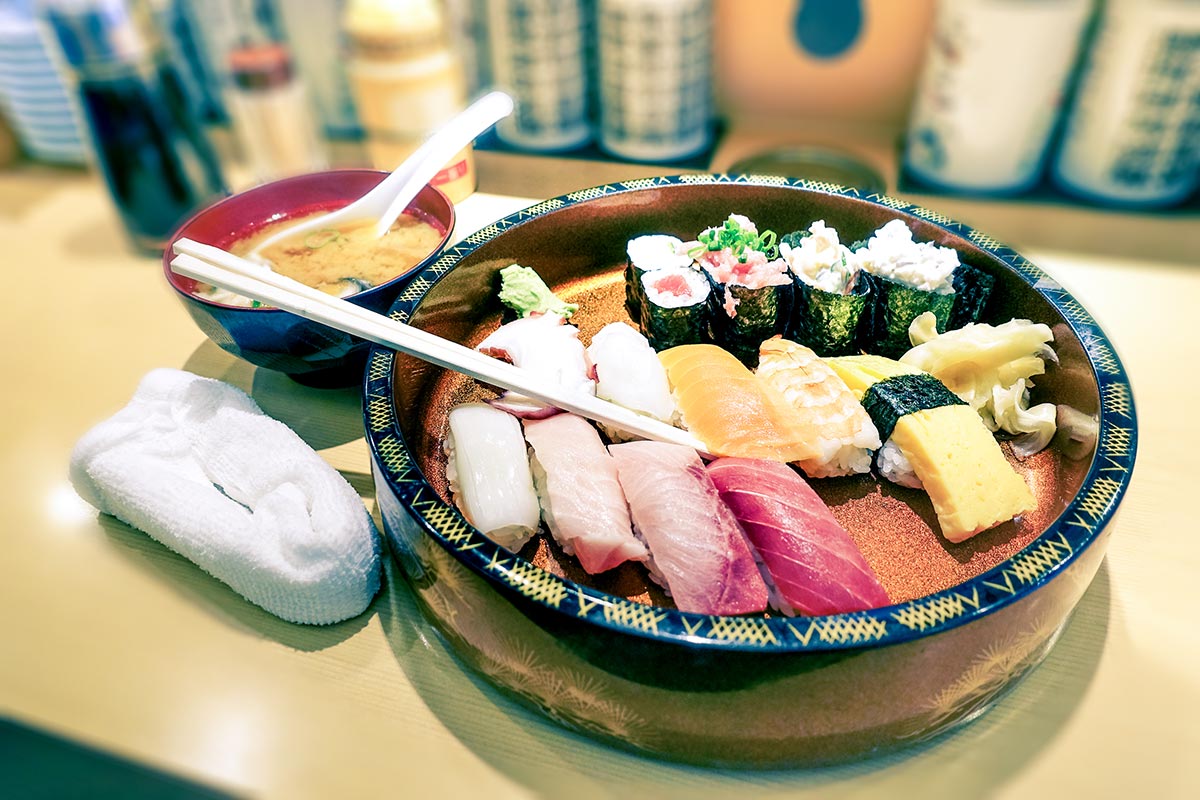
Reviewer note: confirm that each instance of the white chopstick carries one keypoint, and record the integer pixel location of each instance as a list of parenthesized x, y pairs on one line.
[(249, 279)]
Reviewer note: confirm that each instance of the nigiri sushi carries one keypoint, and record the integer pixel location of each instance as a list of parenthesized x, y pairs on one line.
[(581, 498), (950, 450), (842, 430), (629, 373), (698, 552), (487, 467), (546, 345), (732, 411), (813, 565)]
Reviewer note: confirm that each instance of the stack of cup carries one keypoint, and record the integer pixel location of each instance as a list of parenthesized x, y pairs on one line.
[(538, 55), (655, 65)]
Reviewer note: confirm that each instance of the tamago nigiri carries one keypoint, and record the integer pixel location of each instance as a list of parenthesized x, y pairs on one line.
[(952, 452)]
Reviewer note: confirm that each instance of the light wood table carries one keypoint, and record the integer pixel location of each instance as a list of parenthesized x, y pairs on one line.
[(112, 641)]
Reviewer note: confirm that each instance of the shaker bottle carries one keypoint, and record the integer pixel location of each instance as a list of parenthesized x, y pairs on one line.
[(156, 162), (407, 81)]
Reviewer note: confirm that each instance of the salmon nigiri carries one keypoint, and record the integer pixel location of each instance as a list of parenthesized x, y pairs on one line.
[(734, 413)]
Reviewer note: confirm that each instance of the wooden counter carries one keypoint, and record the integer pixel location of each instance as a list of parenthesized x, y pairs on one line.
[(113, 642)]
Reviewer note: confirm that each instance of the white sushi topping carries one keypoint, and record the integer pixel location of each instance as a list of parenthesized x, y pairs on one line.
[(657, 251), (821, 260), (892, 253), (629, 372), (546, 345)]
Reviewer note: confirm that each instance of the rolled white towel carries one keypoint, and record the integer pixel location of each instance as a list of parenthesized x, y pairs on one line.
[(197, 465)]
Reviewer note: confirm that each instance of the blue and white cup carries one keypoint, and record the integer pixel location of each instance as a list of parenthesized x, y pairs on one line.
[(538, 55), (655, 76), (1133, 135)]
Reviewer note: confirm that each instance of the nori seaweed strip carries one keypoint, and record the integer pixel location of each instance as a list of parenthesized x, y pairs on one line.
[(760, 314), (893, 308), (828, 321), (972, 288), (634, 294), (888, 400)]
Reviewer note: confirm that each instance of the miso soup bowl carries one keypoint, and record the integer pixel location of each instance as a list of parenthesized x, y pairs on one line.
[(610, 656), (307, 351)]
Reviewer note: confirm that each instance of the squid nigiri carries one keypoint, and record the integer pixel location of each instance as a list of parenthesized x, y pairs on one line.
[(732, 411), (697, 550), (813, 565), (581, 498), (488, 470)]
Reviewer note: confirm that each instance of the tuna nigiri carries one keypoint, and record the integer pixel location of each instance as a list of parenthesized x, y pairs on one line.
[(732, 411), (813, 564), (581, 498), (841, 428), (697, 550), (488, 471)]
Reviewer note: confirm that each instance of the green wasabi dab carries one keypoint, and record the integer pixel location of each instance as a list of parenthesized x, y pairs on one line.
[(524, 291)]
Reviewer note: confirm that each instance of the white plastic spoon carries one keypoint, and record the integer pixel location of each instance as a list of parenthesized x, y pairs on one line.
[(388, 200)]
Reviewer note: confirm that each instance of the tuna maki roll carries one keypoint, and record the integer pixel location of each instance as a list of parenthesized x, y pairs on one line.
[(906, 279), (830, 300), (752, 290), (644, 253), (675, 307)]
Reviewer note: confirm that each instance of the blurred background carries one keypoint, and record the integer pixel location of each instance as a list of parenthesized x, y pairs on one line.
[(981, 109)]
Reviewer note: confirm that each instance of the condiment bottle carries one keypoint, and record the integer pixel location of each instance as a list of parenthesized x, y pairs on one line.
[(406, 81), (1133, 134), (156, 162), (271, 114)]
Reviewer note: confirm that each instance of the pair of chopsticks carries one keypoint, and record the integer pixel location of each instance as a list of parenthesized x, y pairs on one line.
[(258, 282)]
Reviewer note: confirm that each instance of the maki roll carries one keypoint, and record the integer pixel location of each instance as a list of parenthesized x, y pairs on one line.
[(972, 288), (906, 279), (645, 253), (830, 299), (752, 290), (674, 307)]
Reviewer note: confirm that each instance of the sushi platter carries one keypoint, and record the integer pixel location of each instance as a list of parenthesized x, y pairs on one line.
[(859, 514)]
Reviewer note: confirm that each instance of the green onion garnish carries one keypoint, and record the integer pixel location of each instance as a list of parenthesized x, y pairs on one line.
[(314, 242)]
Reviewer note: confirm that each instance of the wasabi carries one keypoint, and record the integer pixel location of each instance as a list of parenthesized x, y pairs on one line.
[(524, 291)]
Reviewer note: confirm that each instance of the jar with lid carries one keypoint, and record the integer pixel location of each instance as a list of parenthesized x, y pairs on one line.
[(407, 81), (154, 157), (271, 114)]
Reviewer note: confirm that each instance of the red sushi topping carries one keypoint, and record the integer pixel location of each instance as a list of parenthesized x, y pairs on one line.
[(673, 284)]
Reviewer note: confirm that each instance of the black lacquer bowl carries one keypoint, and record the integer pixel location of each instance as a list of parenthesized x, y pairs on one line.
[(611, 655)]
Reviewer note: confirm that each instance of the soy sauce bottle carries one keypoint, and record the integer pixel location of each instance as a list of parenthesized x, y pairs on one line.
[(146, 142)]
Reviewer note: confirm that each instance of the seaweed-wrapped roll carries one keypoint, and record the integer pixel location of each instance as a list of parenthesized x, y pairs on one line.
[(675, 307), (752, 290), (906, 279), (830, 299), (644, 253)]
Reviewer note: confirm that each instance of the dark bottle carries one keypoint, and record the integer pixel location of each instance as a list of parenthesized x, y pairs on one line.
[(146, 140)]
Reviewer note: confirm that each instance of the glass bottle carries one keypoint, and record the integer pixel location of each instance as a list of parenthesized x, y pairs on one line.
[(154, 157)]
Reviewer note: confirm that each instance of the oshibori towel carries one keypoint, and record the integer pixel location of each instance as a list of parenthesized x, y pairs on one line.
[(197, 465)]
